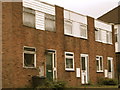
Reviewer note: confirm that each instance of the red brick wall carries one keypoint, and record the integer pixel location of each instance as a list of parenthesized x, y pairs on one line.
[(16, 36)]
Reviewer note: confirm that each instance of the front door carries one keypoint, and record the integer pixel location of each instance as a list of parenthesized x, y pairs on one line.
[(84, 68), (110, 67), (51, 72)]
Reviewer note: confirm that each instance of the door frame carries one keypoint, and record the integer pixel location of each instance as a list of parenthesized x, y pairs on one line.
[(54, 60), (85, 55)]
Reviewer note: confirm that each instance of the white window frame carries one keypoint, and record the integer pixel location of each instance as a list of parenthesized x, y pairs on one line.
[(83, 27), (71, 57), (29, 52), (99, 63)]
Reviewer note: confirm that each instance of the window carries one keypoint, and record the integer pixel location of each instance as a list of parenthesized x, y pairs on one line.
[(29, 57), (83, 63), (99, 63), (68, 27), (49, 22), (116, 35), (28, 17), (97, 34), (69, 61), (109, 37), (83, 30)]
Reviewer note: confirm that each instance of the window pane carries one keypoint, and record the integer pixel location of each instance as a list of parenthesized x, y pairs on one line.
[(97, 62), (29, 49), (109, 37), (83, 30), (109, 66), (96, 35), (69, 63), (83, 63), (29, 19), (49, 22), (116, 40), (29, 60), (68, 27), (69, 54), (101, 67), (99, 32)]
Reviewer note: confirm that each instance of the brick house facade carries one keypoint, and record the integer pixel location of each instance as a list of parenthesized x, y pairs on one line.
[(16, 38)]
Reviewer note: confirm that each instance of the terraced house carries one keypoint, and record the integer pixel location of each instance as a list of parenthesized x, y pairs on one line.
[(39, 39)]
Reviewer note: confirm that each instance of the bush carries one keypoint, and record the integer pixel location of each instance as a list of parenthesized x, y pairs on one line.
[(107, 81), (51, 84)]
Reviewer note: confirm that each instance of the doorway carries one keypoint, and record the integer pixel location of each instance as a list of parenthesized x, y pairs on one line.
[(51, 71), (84, 69)]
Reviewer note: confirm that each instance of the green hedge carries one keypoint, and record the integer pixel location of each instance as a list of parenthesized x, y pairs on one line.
[(107, 81)]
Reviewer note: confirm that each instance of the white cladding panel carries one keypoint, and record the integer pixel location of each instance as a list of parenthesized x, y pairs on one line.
[(103, 25), (77, 72), (78, 18), (116, 47), (39, 6), (66, 14), (75, 17), (76, 29), (106, 73), (40, 20)]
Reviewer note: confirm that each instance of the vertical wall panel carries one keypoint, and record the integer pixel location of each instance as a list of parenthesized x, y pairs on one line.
[(103, 25), (39, 6), (40, 20), (78, 18), (66, 14)]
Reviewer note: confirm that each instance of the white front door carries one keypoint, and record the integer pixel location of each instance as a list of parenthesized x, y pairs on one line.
[(84, 69), (110, 67)]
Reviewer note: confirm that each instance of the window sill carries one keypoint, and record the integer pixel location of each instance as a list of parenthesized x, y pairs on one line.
[(70, 70), (28, 26), (29, 67), (103, 42), (100, 71), (70, 35)]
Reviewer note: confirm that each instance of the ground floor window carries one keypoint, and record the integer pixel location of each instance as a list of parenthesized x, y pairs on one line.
[(69, 61), (99, 63), (29, 57)]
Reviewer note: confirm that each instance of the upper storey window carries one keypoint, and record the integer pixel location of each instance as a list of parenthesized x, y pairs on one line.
[(49, 22), (68, 27), (103, 32), (29, 17), (39, 15), (75, 24), (83, 30)]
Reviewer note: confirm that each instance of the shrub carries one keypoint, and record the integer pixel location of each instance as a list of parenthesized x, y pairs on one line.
[(107, 81), (51, 84)]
